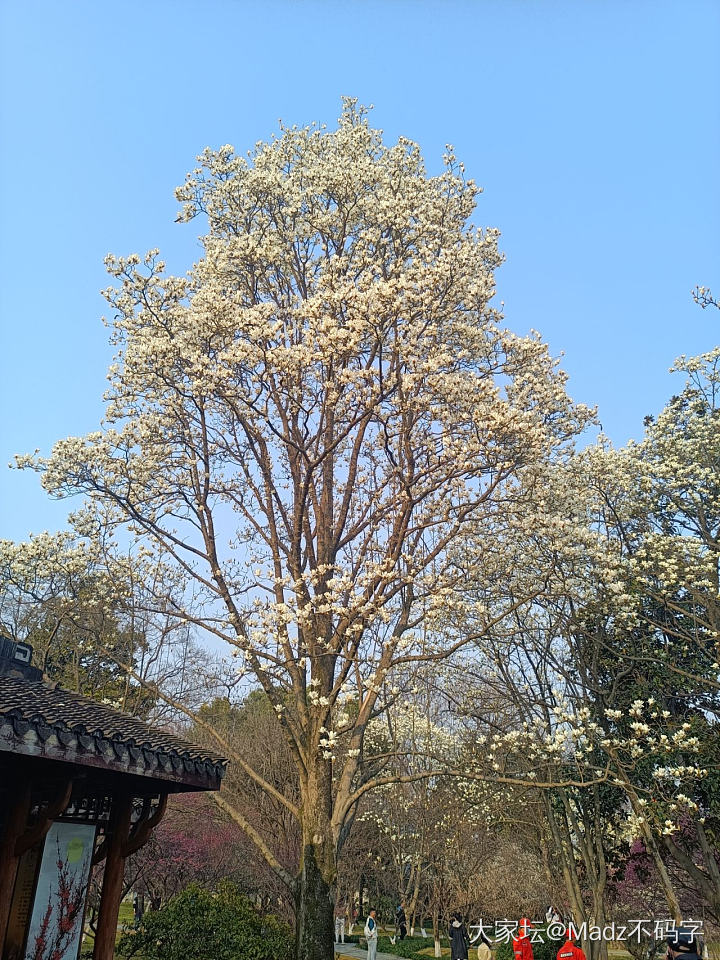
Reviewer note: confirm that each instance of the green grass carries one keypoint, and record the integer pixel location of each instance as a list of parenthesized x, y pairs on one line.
[(125, 919), (126, 915)]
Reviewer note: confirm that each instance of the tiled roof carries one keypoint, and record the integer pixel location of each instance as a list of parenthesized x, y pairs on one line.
[(39, 720)]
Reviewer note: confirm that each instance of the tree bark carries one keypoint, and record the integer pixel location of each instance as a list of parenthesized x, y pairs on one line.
[(315, 908), (436, 933), (549, 879), (414, 897), (317, 880)]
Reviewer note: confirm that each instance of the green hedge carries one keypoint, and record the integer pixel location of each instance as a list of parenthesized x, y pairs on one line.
[(200, 925), (410, 948)]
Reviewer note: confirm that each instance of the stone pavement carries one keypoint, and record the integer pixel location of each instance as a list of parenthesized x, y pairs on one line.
[(360, 953)]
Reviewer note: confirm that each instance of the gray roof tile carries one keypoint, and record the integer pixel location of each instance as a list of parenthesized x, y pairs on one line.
[(57, 720)]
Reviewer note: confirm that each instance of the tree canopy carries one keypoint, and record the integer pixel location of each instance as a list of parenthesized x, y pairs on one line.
[(308, 424)]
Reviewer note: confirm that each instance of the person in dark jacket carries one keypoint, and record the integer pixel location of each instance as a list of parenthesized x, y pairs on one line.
[(459, 938), (682, 944), (401, 921)]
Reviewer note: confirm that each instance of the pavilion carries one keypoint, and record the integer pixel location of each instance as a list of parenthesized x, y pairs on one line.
[(80, 782)]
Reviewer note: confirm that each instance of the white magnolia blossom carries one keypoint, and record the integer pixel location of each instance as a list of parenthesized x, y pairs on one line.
[(328, 431)]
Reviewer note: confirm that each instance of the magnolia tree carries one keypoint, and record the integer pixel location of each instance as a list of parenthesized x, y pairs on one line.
[(306, 424), (610, 678), (666, 527), (90, 614)]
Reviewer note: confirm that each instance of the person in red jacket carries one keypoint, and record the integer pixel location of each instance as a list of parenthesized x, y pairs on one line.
[(522, 948), (570, 950)]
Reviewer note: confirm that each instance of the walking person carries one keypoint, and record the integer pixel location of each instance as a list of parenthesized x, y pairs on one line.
[(371, 935), (401, 921), (340, 912), (459, 938), (138, 909)]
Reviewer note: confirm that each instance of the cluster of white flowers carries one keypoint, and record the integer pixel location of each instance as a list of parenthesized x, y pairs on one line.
[(354, 469)]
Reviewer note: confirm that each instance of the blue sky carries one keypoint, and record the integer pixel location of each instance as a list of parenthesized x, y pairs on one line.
[(593, 128)]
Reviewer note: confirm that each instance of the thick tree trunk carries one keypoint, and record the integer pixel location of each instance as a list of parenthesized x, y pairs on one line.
[(414, 898), (598, 948), (549, 879), (315, 910), (317, 880)]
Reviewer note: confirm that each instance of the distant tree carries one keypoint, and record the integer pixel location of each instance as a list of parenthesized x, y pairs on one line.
[(252, 730), (194, 843), (93, 619)]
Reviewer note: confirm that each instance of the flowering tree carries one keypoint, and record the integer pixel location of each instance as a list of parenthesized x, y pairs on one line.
[(666, 528), (194, 843), (613, 672), (306, 424), (96, 623)]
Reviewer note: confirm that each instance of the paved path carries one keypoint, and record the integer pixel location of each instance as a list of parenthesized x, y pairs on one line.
[(360, 953)]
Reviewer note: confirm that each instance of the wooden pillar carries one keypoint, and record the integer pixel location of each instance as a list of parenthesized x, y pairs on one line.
[(16, 817), (119, 829)]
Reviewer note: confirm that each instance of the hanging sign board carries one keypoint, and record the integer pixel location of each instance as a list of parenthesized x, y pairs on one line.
[(59, 904)]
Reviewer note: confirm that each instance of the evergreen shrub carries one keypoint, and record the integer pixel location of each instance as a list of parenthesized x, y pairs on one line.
[(201, 925)]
